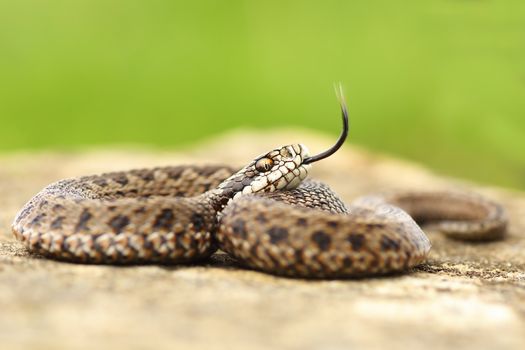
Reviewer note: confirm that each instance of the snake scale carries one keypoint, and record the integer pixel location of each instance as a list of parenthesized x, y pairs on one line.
[(267, 215)]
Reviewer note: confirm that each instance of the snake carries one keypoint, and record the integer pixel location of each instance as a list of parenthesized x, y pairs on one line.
[(267, 216)]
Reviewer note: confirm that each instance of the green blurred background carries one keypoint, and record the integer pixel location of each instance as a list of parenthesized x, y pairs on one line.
[(438, 81)]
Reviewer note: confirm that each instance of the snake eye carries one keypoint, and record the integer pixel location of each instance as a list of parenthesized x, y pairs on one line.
[(263, 165)]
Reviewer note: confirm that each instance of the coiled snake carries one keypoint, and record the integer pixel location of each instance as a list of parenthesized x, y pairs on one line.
[(264, 215)]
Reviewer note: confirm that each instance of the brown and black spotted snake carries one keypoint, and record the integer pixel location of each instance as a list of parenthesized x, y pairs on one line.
[(264, 215)]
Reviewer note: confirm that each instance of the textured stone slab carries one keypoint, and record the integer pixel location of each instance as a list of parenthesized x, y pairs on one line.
[(466, 295)]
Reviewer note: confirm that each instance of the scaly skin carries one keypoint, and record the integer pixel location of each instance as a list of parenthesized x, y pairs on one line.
[(262, 215)]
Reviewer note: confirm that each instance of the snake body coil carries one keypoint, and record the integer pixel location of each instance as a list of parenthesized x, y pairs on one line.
[(264, 215)]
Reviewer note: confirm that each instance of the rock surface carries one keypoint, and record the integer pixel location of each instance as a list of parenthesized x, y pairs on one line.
[(466, 295)]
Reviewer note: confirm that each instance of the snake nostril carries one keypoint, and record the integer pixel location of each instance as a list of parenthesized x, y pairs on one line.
[(287, 152)]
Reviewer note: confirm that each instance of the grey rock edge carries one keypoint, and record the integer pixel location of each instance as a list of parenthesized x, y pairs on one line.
[(465, 296)]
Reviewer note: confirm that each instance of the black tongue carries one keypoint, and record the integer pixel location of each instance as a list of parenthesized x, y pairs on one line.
[(338, 144)]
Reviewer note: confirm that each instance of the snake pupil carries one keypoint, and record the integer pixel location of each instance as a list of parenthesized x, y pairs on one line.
[(264, 164)]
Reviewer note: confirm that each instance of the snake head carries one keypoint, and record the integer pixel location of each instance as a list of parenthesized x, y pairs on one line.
[(280, 169)]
